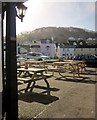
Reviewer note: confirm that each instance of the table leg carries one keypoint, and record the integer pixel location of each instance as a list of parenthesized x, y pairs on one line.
[(20, 73), (32, 86), (47, 83), (48, 86), (28, 86), (78, 70)]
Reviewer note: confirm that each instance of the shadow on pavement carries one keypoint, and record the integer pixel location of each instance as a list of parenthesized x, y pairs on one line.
[(37, 97), (45, 88), (25, 119), (89, 72), (77, 79)]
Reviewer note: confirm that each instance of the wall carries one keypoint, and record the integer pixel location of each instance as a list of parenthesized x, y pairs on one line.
[(85, 51), (67, 52), (49, 51)]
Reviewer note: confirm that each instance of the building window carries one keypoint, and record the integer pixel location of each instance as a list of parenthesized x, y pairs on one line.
[(63, 49), (67, 49), (63, 54), (34, 41), (47, 41), (47, 47)]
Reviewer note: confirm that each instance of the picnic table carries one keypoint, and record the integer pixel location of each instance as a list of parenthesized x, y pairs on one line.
[(33, 75), (32, 63), (69, 65)]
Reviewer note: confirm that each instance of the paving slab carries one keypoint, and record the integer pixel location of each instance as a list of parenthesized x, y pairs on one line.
[(70, 98)]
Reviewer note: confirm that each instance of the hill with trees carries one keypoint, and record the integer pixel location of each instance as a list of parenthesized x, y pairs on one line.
[(59, 34)]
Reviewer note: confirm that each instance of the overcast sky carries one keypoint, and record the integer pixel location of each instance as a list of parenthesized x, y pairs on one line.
[(56, 13)]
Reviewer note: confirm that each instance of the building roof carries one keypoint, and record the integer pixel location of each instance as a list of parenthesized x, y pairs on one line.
[(86, 46), (78, 46), (67, 46)]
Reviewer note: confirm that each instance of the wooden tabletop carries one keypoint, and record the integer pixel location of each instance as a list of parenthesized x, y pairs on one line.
[(71, 62), (31, 69), (35, 62)]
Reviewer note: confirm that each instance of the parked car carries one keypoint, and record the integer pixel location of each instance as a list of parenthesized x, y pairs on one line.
[(90, 60), (86, 57), (20, 57), (36, 56)]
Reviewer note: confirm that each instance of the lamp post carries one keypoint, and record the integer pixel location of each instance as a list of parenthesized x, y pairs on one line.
[(11, 91), (21, 10)]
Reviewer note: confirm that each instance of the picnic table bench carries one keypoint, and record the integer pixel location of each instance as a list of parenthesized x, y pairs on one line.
[(70, 65), (33, 75)]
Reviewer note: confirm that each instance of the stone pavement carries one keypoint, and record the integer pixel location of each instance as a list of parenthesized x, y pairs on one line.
[(70, 98)]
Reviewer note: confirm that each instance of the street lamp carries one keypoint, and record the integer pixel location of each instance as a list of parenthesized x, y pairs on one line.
[(20, 10), (10, 96)]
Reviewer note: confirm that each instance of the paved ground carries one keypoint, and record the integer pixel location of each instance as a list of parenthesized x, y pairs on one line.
[(70, 98)]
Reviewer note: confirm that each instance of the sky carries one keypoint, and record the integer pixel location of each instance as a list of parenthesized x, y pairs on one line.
[(54, 13)]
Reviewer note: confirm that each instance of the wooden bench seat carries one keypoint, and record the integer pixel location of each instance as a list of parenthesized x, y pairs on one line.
[(28, 79), (24, 79), (48, 75)]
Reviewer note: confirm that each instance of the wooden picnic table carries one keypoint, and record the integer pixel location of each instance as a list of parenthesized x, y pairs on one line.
[(35, 74), (72, 65), (40, 64)]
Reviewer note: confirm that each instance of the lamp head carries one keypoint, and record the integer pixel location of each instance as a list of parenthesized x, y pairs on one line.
[(21, 11)]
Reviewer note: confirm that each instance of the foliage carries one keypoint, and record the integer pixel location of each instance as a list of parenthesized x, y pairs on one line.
[(60, 34)]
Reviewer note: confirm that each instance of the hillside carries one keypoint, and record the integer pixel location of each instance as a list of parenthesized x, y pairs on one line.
[(60, 34)]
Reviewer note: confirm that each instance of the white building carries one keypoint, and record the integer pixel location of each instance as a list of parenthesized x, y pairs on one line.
[(47, 47), (35, 47), (66, 51)]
